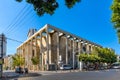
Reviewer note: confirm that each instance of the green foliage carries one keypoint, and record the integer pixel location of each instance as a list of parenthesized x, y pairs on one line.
[(115, 7), (19, 0), (83, 57), (89, 57), (1, 62), (99, 55), (106, 55), (48, 6), (35, 60), (71, 3), (18, 60)]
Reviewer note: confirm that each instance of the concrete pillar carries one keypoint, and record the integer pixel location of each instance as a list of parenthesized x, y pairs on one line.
[(35, 46), (47, 40), (92, 47), (87, 47), (73, 54), (66, 50), (49, 49), (35, 50), (31, 47), (21, 53), (41, 53), (31, 50), (79, 47), (58, 47), (29, 53), (27, 46)]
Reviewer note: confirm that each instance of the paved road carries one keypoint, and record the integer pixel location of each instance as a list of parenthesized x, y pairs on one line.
[(91, 75)]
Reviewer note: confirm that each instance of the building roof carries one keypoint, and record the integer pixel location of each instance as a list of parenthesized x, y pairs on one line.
[(62, 31)]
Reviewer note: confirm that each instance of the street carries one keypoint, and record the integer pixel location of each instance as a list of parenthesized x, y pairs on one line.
[(86, 75)]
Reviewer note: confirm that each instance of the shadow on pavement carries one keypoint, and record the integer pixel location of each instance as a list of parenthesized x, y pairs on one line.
[(20, 76)]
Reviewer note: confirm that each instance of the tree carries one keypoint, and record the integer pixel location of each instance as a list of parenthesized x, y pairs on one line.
[(83, 57), (115, 7), (48, 6), (35, 60), (1, 61), (99, 55), (106, 55), (18, 60), (89, 57)]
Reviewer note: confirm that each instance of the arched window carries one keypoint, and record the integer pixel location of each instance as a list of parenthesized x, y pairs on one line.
[(84, 48)]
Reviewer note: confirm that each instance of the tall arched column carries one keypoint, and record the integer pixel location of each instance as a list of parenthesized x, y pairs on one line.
[(66, 50), (92, 47), (35, 46), (81, 44), (31, 50), (73, 54), (87, 48), (79, 47), (41, 53), (49, 49), (58, 47), (47, 40), (35, 51), (27, 54)]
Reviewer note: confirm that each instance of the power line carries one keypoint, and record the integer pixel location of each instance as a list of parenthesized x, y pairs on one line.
[(20, 24), (15, 26), (20, 41), (17, 20), (14, 18), (14, 21), (15, 40)]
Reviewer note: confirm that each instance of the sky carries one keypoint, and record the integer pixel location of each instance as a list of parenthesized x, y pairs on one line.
[(89, 19)]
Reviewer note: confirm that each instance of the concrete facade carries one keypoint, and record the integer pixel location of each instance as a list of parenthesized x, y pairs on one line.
[(54, 46)]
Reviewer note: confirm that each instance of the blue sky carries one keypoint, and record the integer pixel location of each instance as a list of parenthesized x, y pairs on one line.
[(89, 19)]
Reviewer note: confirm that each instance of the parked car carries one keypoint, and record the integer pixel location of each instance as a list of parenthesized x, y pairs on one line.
[(19, 70), (65, 67), (26, 70), (115, 65)]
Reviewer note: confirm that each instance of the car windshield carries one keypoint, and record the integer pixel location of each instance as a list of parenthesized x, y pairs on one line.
[(66, 65), (116, 64), (17, 68)]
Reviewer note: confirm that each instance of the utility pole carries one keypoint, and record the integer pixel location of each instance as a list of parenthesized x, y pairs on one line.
[(1, 56), (2, 52)]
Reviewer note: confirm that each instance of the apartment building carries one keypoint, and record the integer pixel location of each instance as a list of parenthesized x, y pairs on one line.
[(8, 62)]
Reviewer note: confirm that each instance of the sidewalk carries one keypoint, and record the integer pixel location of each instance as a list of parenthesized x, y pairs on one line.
[(68, 71), (54, 72)]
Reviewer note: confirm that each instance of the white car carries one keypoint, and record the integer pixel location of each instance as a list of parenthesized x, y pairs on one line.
[(65, 67), (116, 65)]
